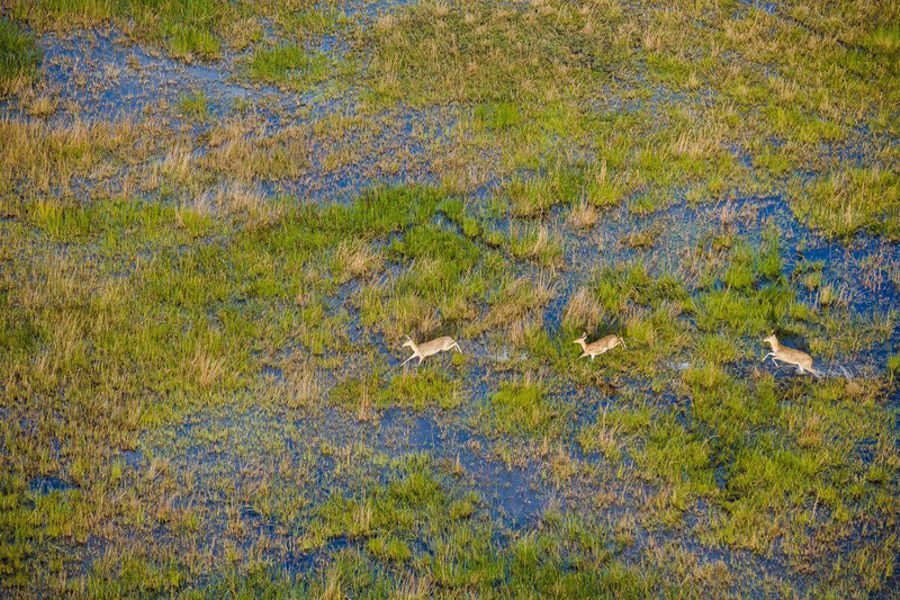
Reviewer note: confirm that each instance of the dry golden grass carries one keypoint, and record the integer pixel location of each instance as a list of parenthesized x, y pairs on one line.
[(204, 368), (247, 204), (359, 258), (44, 158), (301, 387), (583, 311), (583, 216)]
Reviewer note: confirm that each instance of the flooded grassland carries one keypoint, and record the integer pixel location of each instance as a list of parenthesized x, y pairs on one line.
[(220, 221)]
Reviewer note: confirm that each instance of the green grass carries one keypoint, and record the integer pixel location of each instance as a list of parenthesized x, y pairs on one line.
[(566, 555), (193, 324), (317, 19), (497, 116), (421, 389), (188, 29), (561, 185), (19, 57), (494, 77), (288, 65), (185, 43), (195, 105), (519, 408), (850, 200)]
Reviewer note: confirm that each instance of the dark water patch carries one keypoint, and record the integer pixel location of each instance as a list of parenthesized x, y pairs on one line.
[(515, 495), (767, 7), (46, 484), (133, 458), (108, 77), (866, 449), (111, 78), (273, 373)]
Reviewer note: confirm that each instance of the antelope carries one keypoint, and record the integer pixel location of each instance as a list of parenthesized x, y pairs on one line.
[(600, 346), (801, 360), (426, 349)]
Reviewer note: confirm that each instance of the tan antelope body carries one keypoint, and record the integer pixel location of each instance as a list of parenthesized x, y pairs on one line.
[(801, 360), (602, 345), (426, 349)]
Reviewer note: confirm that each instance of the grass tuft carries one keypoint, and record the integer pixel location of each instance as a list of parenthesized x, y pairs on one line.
[(19, 57)]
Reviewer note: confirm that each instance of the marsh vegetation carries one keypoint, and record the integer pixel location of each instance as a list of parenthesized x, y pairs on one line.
[(219, 221)]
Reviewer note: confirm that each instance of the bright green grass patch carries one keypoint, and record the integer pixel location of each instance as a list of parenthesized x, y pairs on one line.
[(893, 364), (19, 57), (380, 211), (185, 43), (758, 312), (884, 40), (421, 389), (750, 296), (62, 221), (519, 408), (497, 116), (677, 456), (448, 276), (103, 222), (288, 65), (194, 105), (614, 288)]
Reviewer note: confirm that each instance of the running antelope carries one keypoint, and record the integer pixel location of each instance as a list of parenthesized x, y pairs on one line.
[(600, 346), (801, 360), (426, 349)]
